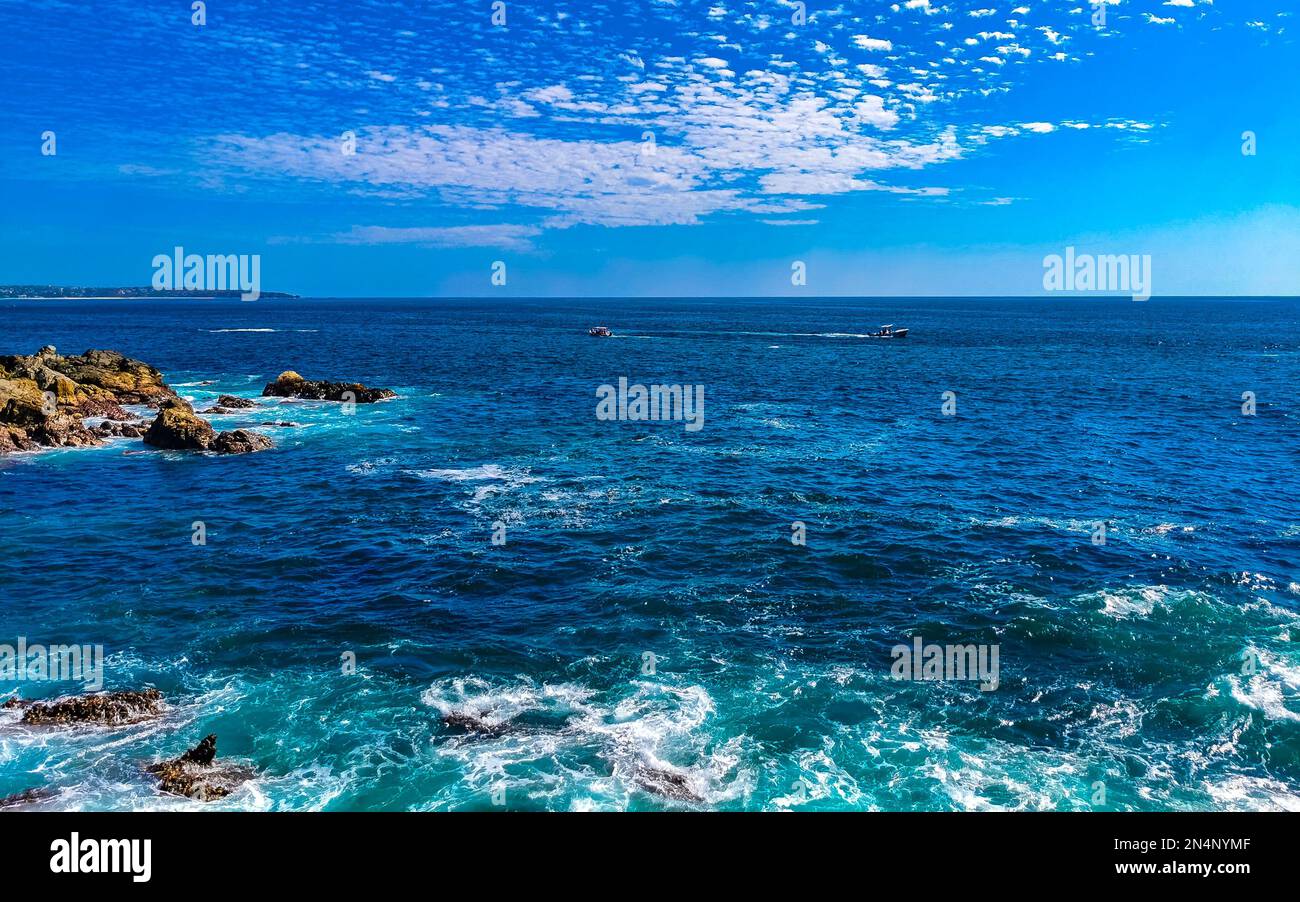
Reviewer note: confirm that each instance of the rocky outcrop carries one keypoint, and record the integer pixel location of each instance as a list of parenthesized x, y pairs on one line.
[(177, 429), (100, 708), (45, 396), (240, 441), (231, 402), (125, 380), (290, 385), (195, 776), (99, 407)]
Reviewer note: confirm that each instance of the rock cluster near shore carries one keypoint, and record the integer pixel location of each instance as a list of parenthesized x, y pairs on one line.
[(194, 774), (290, 385), (103, 708), (46, 397)]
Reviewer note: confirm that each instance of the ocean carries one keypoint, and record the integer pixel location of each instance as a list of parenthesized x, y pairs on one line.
[(678, 619)]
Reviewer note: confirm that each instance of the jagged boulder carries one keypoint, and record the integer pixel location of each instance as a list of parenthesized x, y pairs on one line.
[(132, 429), (100, 708), (240, 441), (98, 407), (291, 385), (233, 402), (195, 776), (177, 429)]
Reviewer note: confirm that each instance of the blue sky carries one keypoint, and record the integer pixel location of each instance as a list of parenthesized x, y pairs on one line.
[(653, 146)]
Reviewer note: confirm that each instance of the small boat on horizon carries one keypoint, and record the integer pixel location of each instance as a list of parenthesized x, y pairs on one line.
[(888, 331), (600, 332)]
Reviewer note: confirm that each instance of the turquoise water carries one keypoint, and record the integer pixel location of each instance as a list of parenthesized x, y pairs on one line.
[(1120, 664)]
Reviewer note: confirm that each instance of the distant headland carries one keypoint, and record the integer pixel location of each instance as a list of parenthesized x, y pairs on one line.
[(55, 292)]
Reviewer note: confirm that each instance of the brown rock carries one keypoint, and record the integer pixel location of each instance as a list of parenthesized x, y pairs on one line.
[(179, 430), (240, 441), (195, 776), (176, 403), (129, 381), (102, 708), (45, 396)]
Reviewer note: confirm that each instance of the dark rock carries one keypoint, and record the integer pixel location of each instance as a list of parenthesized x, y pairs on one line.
[(469, 722), (283, 424), (667, 783), (195, 776), (240, 441), (235, 403), (133, 429), (290, 385), (28, 797), (103, 708), (216, 410), (179, 430), (62, 432)]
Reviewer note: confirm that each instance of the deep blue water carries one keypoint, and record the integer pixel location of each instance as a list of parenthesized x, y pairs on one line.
[(1120, 663)]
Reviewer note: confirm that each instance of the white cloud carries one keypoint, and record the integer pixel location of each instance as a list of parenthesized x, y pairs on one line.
[(507, 237), (867, 43)]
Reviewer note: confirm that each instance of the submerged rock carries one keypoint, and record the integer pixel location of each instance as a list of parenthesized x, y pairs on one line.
[(194, 775), (240, 441), (28, 797), (290, 385), (102, 708), (667, 783), (469, 722)]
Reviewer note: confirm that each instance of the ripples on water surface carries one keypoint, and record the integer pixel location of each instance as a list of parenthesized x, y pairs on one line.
[(371, 533)]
